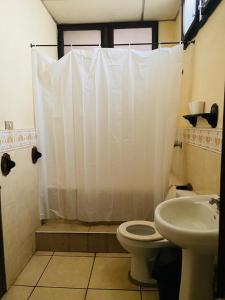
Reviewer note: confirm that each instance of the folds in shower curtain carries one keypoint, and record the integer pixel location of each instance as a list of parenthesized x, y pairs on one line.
[(105, 124)]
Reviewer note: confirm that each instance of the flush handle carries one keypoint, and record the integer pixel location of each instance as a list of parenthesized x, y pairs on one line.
[(6, 164)]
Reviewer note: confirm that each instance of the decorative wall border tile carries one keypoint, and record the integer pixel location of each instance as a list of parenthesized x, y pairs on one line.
[(208, 139), (17, 139)]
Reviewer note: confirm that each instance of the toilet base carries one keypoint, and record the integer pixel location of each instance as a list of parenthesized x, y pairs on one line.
[(140, 273), (143, 284)]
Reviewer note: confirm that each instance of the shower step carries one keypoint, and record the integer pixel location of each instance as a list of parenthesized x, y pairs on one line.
[(77, 238)]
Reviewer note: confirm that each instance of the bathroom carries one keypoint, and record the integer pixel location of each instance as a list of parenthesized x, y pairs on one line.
[(111, 122)]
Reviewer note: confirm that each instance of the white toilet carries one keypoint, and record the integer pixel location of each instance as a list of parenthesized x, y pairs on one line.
[(143, 241)]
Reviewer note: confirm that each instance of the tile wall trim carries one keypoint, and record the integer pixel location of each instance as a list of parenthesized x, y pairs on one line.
[(208, 139), (17, 139)]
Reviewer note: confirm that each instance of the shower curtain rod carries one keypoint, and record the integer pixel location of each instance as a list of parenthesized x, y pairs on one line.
[(130, 44)]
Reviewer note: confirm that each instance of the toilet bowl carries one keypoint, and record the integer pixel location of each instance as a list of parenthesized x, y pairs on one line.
[(142, 240)]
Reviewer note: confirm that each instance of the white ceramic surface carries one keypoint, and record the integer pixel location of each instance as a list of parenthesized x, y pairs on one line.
[(143, 248), (189, 222), (196, 107), (193, 224)]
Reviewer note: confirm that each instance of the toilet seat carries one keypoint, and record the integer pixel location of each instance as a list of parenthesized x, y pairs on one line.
[(140, 231)]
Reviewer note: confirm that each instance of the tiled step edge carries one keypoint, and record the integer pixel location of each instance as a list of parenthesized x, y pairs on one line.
[(80, 242)]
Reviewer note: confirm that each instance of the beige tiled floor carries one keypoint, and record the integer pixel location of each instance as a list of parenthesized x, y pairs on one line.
[(18, 292), (77, 276), (111, 273), (150, 295), (42, 293), (70, 272), (112, 295), (33, 271)]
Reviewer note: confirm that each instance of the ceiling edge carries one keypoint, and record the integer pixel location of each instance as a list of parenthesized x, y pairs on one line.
[(177, 13), (43, 3), (142, 15), (143, 10)]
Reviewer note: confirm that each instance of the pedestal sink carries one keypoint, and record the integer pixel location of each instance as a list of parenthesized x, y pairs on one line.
[(192, 224)]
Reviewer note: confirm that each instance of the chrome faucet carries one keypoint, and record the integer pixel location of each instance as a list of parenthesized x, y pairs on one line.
[(215, 201)]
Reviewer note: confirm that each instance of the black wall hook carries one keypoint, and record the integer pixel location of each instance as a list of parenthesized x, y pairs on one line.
[(35, 155), (6, 164)]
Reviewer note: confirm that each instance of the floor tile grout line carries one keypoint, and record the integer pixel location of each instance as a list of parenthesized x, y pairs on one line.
[(90, 277), (118, 289), (80, 288), (68, 255), (14, 284), (149, 289), (141, 289), (52, 287), (113, 256), (45, 267), (41, 275), (60, 287), (31, 292), (97, 289), (73, 256), (23, 268)]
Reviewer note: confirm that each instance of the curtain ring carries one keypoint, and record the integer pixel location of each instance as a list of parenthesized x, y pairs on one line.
[(71, 47)]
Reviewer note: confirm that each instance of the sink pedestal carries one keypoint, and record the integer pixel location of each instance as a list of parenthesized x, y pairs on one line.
[(197, 276), (192, 224)]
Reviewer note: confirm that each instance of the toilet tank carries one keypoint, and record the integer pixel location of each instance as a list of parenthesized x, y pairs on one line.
[(174, 193), (183, 193)]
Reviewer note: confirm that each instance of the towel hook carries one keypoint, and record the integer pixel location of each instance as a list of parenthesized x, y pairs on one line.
[(35, 155), (6, 164)]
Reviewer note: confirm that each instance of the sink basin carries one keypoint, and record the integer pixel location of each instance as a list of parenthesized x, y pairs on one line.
[(192, 224), (189, 222)]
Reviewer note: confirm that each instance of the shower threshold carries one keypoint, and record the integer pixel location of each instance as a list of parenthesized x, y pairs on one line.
[(73, 236)]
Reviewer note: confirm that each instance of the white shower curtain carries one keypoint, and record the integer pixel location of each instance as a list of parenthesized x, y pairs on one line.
[(105, 124)]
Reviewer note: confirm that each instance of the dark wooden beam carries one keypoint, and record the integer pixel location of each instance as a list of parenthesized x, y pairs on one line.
[(221, 250)]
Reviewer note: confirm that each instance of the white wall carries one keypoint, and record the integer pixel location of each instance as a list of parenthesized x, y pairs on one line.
[(21, 22)]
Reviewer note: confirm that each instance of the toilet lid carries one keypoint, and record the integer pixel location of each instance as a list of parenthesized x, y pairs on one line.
[(139, 230)]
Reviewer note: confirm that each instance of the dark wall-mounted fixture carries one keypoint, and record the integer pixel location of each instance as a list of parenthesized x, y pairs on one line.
[(6, 164), (35, 155), (220, 288), (186, 187), (177, 144), (211, 117)]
